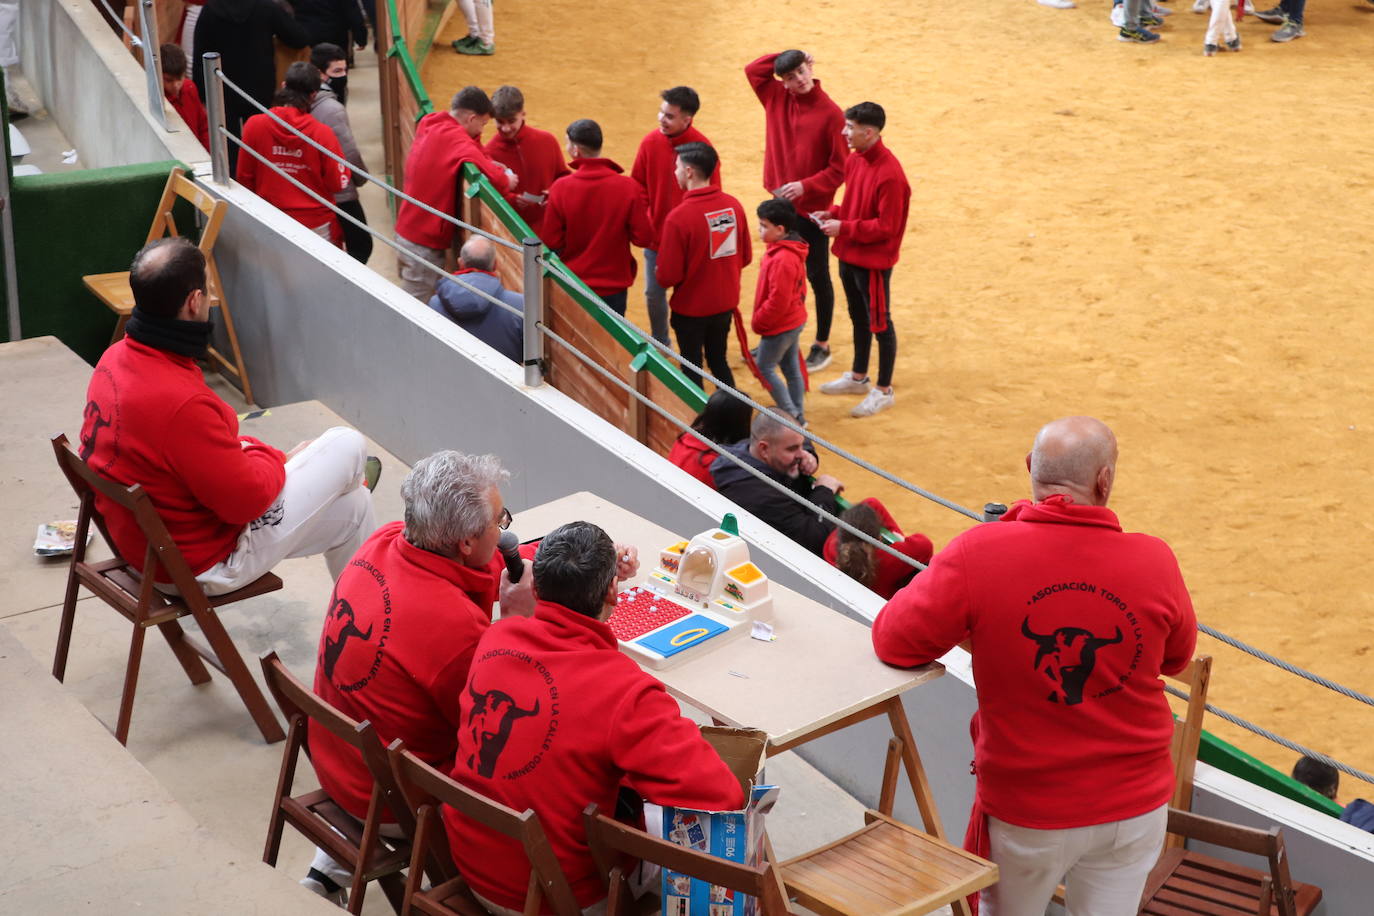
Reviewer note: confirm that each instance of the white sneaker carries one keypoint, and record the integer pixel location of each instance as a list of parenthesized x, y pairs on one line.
[(875, 401), (1119, 16), (1058, 4), (1161, 11), (846, 384), (313, 884), (1202, 6)]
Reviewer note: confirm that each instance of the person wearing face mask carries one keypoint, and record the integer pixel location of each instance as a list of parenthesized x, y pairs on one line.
[(233, 505), (328, 108), (533, 154)]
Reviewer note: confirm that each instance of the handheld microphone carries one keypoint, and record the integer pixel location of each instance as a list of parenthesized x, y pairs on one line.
[(509, 545)]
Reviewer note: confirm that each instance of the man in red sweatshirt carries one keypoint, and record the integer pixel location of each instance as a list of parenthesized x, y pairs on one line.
[(444, 141), (703, 247), (181, 93), (595, 215), (803, 162), (868, 229), (1070, 622), (533, 154), (554, 717), (233, 505), (655, 168), (288, 152)]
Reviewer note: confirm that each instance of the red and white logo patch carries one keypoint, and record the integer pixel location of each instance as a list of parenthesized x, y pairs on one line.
[(724, 233)]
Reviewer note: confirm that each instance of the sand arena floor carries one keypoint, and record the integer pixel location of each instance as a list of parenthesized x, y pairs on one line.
[(1178, 245)]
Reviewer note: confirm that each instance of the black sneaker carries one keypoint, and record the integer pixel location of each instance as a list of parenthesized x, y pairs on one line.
[(817, 358), (1150, 19), (1209, 50), (1234, 43), (1274, 16), (1140, 35)]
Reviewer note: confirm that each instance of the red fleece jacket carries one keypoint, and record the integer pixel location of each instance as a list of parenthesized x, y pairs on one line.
[(593, 218), (802, 137), (296, 158), (702, 249), (1071, 623), (873, 214), (654, 167), (188, 104), (536, 157), (891, 572), (433, 169), (150, 419), (695, 457), (780, 296), (555, 717)]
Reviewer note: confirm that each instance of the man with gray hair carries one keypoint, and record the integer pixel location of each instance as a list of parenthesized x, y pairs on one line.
[(467, 300), (1070, 622), (782, 455), (402, 625)]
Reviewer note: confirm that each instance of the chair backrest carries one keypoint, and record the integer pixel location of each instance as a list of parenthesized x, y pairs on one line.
[(211, 209), (423, 787), (611, 839), (1188, 729), (1267, 844)]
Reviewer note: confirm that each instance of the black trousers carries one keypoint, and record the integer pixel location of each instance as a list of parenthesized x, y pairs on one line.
[(818, 274), (356, 239), (856, 291), (709, 335)]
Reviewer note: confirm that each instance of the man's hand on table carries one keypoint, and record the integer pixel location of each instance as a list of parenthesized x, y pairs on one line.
[(517, 600)]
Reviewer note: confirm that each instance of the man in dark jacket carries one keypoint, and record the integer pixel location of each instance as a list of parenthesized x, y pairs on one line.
[(331, 21), (780, 453), (496, 327), (242, 32)]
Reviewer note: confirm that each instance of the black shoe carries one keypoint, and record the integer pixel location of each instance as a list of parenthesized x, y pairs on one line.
[(1139, 34), (1274, 16), (1234, 43), (817, 358), (1209, 50)]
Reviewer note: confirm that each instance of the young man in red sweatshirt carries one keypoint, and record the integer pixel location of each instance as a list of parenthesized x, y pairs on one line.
[(868, 228), (444, 141), (780, 306), (655, 168), (181, 92), (595, 215), (555, 717), (703, 247), (234, 506), (1070, 622), (288, 152), (533, 154), (803, 162)]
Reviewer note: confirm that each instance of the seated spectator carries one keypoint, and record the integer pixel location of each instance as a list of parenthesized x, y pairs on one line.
[(479, 316), (780, 453), (181, 92), (724, 421), (880, 571), (555, 717), (328, 108), (234, 506), (1322, 777), (428, 584), (288, 152)]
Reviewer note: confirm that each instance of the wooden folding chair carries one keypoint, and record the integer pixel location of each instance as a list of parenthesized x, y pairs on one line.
[(612, 840), (361, 846), (129, 590), (426, 790), (1190, 882), (113, 288)]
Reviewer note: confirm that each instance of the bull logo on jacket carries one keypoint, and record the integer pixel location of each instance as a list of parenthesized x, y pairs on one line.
[(510, 714), (99, 421), (494, 712), (339, 627), (357, 627), (1067, 656)]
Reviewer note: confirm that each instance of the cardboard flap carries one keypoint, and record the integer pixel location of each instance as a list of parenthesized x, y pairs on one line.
[(744, 751)]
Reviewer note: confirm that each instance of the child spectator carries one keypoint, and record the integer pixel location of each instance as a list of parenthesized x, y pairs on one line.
[(725, 421), (182, 94), (780, 305), (1320, 776), (880, 571)]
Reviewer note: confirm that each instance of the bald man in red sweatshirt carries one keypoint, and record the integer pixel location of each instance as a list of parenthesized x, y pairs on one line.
[(655, 168), (533, 154), (803, 162)]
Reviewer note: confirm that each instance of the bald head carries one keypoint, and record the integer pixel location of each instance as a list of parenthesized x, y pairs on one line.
[(1076, 457), (478, 253)]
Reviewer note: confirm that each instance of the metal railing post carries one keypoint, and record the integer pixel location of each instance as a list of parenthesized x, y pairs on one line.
[(993, 512), (214, 107), (534, 314), (152, 60)]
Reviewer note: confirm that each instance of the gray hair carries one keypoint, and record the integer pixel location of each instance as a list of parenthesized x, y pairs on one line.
[(478, 253), (446, 498), (766, 427)]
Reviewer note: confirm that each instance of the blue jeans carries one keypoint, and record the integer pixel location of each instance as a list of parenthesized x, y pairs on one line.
[(781, 350), (655, 298)]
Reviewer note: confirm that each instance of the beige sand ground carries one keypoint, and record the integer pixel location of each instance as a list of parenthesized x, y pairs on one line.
[(1176, 244)]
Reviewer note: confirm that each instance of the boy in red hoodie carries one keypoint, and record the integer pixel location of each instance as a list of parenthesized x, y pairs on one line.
[(288, 152), (780, 305), (181, 93), (533, 154), (595, 215), (702, 250)]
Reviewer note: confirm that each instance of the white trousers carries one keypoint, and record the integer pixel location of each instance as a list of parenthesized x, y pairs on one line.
[(1103, 867), (480, 23), (323, 508), (1221, 24), (9, 33), (188, 36)]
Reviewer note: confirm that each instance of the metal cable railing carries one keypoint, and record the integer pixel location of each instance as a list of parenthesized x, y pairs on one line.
[(119, 21)]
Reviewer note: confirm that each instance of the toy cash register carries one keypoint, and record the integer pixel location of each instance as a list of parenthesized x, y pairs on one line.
[(704, 593)]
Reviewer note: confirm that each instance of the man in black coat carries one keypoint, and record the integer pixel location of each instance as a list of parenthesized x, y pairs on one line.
[(242, 32), (332, 21), (781, 454)]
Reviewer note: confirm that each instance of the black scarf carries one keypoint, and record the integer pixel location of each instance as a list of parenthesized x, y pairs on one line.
[(186, 338)]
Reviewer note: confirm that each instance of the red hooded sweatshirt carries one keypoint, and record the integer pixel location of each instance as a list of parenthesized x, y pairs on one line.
[(192, 110), (873, 214), (592, 219), (536, 157), (296, 158), (891, 573), (1071, 622), (695, 457), (802, 138), (150, 419), (654, 167), (555, 717), (703, 247), (780, 296), (433, 169)]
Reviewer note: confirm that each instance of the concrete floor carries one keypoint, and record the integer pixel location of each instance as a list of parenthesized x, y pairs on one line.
[(47, 144)]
